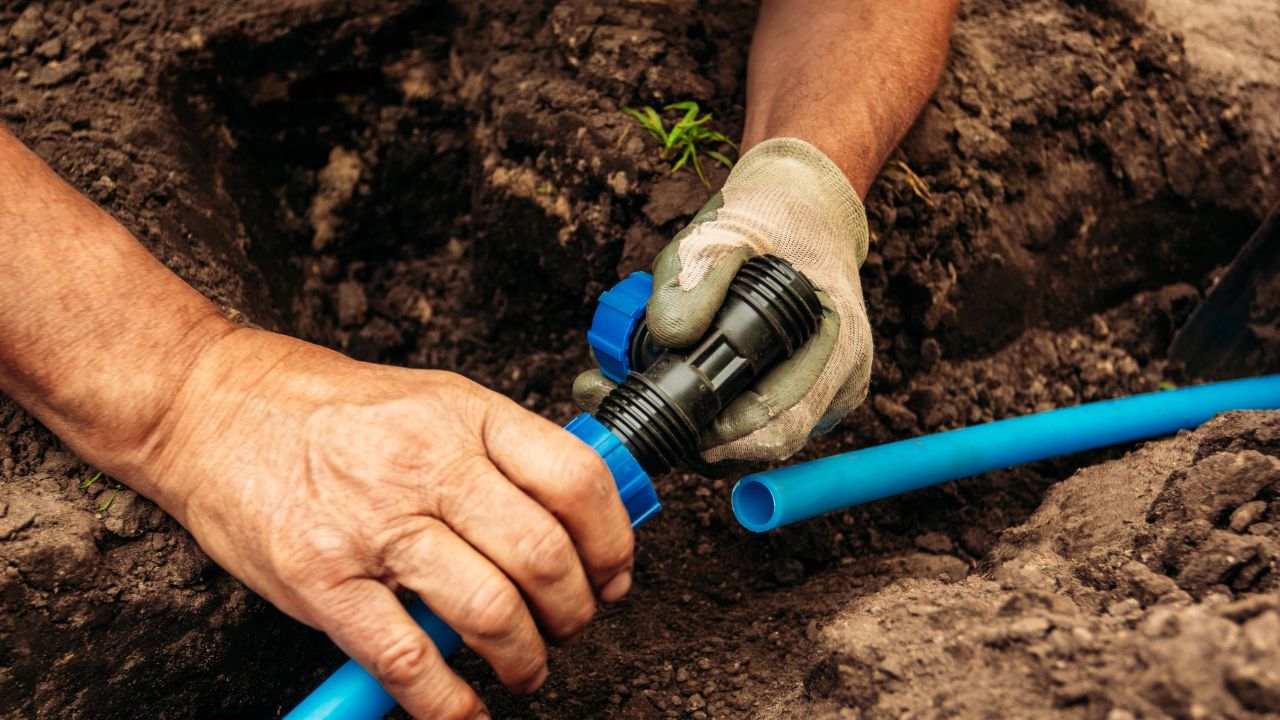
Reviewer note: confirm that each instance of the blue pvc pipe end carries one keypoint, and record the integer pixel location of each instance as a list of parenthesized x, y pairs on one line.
[(774, 498), (754, 504)]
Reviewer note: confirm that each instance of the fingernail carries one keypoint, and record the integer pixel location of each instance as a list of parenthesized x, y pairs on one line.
[(617, 587), (484, 715)]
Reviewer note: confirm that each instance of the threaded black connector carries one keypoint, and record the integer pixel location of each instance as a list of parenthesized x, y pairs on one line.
[(770, 310)]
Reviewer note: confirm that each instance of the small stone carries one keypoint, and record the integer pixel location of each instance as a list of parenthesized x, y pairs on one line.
[(11, 571), (336, 185), (28, 25), (1122, 608), (103, 188), (49, 49), (617, 182), (352, 305), (1030, 627), (919, 609), (55, 73), (976, 541), (696, 702), (682, 675), (1262, 633), (896, 416), (934, 542), (674, 197), (930, 353), (421, 311), (1246, 515)]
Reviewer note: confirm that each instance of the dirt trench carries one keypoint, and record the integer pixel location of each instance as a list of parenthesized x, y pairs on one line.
[(451, 185)]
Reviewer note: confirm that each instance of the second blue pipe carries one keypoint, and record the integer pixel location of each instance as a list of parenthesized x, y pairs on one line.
[(774, 498)]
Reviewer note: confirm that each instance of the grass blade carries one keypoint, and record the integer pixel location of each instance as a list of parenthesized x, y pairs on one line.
[(719, 157)]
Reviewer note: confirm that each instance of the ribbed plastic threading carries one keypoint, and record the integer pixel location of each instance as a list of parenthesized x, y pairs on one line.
[(782, 295), (655, 428), (656, 434)]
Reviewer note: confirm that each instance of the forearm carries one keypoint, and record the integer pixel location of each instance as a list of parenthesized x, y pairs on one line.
[(96, 335), (848, 76)]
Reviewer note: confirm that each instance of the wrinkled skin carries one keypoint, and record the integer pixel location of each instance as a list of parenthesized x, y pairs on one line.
[(327, 484)]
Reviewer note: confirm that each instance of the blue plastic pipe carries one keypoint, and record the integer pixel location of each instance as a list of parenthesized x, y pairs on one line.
[(771, 499), (351, 692)]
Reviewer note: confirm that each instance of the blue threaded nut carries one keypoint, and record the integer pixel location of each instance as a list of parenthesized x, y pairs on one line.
[(634, 485), (618, 315)]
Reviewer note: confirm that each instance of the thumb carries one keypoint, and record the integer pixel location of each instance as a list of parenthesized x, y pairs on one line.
[(590, 388), (679, 316)]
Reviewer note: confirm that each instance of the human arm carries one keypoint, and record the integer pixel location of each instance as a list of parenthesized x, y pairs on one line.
[(324, 483), (847, 76), (832, 85)]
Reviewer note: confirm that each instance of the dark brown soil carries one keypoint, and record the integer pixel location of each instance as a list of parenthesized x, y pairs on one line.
[(451, 185)]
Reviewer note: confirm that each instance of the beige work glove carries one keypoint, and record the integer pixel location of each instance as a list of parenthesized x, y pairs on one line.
[(785, 198)]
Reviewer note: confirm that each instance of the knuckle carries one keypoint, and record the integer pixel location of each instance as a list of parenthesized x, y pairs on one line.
[(530, 669), (619, 555), (586, 477), (453, 498), (496, 608), (402, 664), (458, 705), (304, 558), (577, 618), (549, 555)]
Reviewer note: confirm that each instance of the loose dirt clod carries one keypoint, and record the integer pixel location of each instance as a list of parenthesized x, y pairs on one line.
[(451, 185)]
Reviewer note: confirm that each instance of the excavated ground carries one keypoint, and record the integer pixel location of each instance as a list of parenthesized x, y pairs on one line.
[(451, 185)]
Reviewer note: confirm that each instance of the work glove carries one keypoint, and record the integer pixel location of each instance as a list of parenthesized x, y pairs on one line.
[(786, 198)]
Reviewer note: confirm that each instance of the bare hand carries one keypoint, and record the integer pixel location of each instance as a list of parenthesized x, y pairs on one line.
[(327, 484)]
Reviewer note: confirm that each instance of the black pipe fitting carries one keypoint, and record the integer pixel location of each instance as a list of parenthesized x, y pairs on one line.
[(770, 310)]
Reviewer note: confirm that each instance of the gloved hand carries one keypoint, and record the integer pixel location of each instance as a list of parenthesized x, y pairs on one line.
[(786, 198)]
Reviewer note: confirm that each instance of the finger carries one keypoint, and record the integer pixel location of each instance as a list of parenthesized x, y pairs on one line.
[(590, 389), (777, 392), (569, 479), (474, 597), (529, 545), (678, 316), (367, 621), (852, 394)]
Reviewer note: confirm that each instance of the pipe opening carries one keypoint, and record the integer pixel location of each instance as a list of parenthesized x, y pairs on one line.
[(754, 505)]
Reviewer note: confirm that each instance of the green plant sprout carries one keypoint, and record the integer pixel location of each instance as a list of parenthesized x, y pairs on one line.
[(689, 136), (114, 491)]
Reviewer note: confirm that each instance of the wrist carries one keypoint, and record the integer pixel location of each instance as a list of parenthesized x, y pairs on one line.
[(120, 429), (856, 154), (246, 388), (787, 182), (221, 383)]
